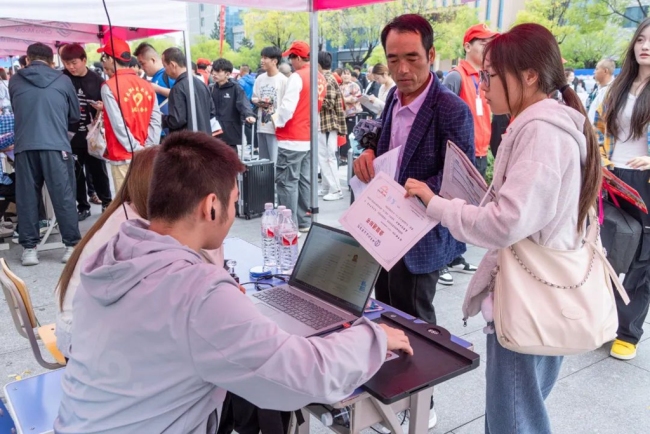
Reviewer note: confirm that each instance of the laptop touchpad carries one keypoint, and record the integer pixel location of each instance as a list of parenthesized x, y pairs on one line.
[(266, 310)]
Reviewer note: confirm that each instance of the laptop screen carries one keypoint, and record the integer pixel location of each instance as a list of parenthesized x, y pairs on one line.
[(334, 267)]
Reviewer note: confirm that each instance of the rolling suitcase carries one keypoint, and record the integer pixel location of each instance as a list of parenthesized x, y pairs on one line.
[(256, 184)]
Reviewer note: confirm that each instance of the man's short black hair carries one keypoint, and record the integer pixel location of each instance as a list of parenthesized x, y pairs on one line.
[(40, 51), (174, 54), (410, 23), (272, 53), (325, 60), (357, 67), (222, 64), (73, 51), (144, 48), (22, 61)]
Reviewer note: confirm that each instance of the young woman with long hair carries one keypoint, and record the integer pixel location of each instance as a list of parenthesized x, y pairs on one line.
[(623, 121), (129, 203), (547, 176), (382, 76)]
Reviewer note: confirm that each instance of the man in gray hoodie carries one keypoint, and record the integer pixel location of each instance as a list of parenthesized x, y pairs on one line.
[(159, 335), (45, 103)]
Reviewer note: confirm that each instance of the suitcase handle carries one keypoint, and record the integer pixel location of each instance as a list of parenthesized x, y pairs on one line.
[(244, 141)]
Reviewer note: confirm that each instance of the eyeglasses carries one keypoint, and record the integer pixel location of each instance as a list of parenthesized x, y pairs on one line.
[(484, 77)]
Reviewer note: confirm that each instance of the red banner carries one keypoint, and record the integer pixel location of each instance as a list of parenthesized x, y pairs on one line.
[(222, 29)]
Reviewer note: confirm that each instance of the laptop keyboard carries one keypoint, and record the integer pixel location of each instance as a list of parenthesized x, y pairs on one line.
[(304, 311)]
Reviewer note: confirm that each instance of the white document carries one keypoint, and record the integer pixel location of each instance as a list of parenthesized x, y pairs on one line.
[(460, 179), (215, 126), (386, 223), (373, 106), (386, 163)]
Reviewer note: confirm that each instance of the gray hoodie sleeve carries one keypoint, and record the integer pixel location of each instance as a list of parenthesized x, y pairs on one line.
[(155, 125), (115, 117), (237, 348)]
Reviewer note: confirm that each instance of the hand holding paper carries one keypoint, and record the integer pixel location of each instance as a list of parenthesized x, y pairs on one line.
[(460, 179), (385, 222), (419, 190), (386, 163)]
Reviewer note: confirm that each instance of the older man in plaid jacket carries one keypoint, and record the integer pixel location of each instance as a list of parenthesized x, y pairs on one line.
[(420, 116), (332, 125)]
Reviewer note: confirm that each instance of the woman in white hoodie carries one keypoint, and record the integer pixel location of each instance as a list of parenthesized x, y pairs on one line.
[(129, 203), (546, 177)]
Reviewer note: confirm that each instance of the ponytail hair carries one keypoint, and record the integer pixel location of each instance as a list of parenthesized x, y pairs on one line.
[(533, 47)]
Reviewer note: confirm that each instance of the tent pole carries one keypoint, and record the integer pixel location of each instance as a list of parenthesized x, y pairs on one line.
[(190, 77), (314, 118)]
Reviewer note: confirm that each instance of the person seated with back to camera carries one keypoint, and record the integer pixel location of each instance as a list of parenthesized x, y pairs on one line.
[(159, 335)]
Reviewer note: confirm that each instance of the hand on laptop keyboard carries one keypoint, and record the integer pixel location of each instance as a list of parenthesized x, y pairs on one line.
[(397, 340)]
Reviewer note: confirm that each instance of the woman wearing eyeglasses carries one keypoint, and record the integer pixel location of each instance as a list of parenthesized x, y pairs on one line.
[(546, 177)]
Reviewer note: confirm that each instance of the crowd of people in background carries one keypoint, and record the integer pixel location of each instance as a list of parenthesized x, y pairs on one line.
[(509, 90)]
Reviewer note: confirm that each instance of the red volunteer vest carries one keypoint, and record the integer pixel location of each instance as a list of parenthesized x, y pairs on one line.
[(468, 89), (136, 100), (297, 129)]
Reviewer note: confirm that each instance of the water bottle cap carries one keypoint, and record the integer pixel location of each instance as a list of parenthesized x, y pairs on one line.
[(286, 212), (281, 208), (268, 206)]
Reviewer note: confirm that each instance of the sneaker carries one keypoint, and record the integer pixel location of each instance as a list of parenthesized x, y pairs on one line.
[(95, 199), (445, 277), (83, 215), (304, 230), (67, 254), (6, 232), (433, 418), (30, 257), (622, 350), (459, 265), (333, 196), (322, 193)]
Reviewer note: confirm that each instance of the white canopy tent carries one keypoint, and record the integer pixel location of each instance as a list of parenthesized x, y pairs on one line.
[(23, 22)]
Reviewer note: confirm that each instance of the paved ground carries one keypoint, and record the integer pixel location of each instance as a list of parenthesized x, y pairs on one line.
[(595, 394)]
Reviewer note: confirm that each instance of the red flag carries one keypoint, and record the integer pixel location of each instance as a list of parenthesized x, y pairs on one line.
[(222, 28)]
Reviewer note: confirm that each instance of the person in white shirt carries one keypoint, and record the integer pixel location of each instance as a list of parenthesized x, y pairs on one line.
[(604, 76), (268, 91), (382, 76)]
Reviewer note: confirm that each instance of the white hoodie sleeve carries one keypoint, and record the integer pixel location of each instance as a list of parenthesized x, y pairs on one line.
[(237, 348), (526, 204), (289, 101), (120, 129)]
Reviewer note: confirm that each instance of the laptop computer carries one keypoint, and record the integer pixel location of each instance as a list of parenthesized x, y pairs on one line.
[(329, 287)]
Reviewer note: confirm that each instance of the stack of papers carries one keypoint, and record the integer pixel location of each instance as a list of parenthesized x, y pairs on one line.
[(460, 179), (385, 163), (374, 107)]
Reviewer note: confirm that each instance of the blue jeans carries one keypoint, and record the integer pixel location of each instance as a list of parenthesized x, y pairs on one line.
[(517, 385)]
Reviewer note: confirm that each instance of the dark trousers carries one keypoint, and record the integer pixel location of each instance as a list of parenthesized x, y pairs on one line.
[(96, 169), (481, 165), (56, 170), (245, 418), (408, 292), (637, 279), (350, 122)]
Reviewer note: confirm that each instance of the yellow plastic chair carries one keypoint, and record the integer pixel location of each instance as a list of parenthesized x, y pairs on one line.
[(27, 325)]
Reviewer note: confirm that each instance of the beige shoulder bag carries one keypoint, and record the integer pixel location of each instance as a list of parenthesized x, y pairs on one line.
[(556, 302)]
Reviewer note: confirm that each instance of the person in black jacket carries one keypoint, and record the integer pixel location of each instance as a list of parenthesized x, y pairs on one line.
[(230, 102), (88, 85), (45, 103), (179, 117)]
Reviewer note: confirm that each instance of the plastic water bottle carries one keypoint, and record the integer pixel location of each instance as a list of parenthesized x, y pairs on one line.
[(288, 243), (269, 246), (278, 223)]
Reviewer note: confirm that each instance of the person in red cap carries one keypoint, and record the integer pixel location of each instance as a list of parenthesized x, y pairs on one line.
[(202, 66), (292, 123), (130, 109), (464, 81)]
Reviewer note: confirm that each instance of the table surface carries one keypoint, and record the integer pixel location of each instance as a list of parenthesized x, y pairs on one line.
[(42, 413)]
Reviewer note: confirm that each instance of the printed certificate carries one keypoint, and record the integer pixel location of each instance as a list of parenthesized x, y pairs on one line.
[(386, 223)]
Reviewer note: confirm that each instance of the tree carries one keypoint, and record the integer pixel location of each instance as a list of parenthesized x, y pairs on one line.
[(625, 10), (209, 49), (587, 49), (216, 31), (378, 56), (551, 14), (276, 28), (245, 42), (449, 28)]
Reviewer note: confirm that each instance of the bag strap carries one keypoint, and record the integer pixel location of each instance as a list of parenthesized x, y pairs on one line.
[(612, 274)]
